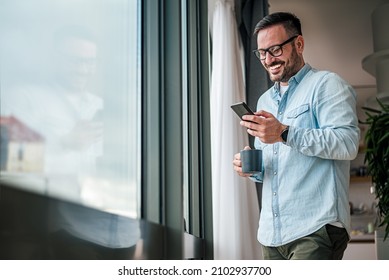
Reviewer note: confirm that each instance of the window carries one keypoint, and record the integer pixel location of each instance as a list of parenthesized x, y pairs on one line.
[(70, 100), (105, 104)]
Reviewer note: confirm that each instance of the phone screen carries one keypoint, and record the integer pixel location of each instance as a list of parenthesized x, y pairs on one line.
[(242, 109)]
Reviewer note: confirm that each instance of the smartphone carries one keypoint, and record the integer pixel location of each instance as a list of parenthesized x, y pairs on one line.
[(242, 109)]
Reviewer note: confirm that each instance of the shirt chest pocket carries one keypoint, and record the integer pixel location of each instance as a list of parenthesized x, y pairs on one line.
[(300, 116)]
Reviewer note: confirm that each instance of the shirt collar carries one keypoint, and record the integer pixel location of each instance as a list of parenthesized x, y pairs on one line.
[(296, 79), (301, 74)]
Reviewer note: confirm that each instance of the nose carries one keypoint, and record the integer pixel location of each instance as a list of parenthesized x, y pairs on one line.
[(268, 58)]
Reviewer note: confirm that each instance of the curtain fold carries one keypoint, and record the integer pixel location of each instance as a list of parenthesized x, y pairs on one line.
[(235, 205)]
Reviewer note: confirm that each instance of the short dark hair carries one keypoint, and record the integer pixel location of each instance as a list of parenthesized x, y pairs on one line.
[(290, 22)]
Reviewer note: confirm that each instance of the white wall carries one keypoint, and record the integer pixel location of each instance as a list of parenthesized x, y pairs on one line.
[(338, 34)]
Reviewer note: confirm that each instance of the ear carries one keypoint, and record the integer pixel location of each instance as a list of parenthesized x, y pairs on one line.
[(300, 44)]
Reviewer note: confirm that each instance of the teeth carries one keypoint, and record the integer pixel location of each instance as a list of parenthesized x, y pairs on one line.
[(275, 67)]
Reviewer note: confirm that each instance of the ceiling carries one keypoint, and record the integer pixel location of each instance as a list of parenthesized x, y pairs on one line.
[(337, 34)]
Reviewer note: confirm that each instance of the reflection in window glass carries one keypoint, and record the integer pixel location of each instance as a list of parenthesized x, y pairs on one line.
[(70, 100)]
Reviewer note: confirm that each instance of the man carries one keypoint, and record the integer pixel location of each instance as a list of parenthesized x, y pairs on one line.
[(307, 128)]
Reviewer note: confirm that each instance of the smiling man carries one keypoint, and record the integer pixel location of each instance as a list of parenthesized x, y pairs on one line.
[(306, 125)]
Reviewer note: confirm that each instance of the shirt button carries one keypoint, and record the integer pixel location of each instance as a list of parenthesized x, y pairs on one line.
[(275, 215), (280, 113), (275, 152), (274, 193), (275, 173)]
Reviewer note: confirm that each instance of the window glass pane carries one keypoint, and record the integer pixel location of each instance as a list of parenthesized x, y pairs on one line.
[(70, 100)]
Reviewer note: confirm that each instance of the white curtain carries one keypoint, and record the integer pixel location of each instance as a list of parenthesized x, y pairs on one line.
[(235, 205)]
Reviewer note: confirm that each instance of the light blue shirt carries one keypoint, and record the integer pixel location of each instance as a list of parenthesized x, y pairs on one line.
[(306, 180)]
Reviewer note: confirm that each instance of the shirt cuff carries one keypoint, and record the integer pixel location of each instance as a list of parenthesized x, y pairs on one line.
[(257, 177)]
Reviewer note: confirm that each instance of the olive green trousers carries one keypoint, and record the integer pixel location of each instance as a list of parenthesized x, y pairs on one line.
[(328, 243)]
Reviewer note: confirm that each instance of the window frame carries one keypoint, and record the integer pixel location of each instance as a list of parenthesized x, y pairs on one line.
[(176, 124)]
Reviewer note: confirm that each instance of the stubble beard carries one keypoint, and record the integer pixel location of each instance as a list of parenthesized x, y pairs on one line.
[(289, 70)]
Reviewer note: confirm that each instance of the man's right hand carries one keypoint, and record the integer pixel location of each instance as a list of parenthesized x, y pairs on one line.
[(238, 164)]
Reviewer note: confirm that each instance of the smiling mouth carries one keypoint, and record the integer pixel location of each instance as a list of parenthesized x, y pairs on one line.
[(275, 68)]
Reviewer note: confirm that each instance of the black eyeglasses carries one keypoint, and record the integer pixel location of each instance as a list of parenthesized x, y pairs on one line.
[(274, 51)]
